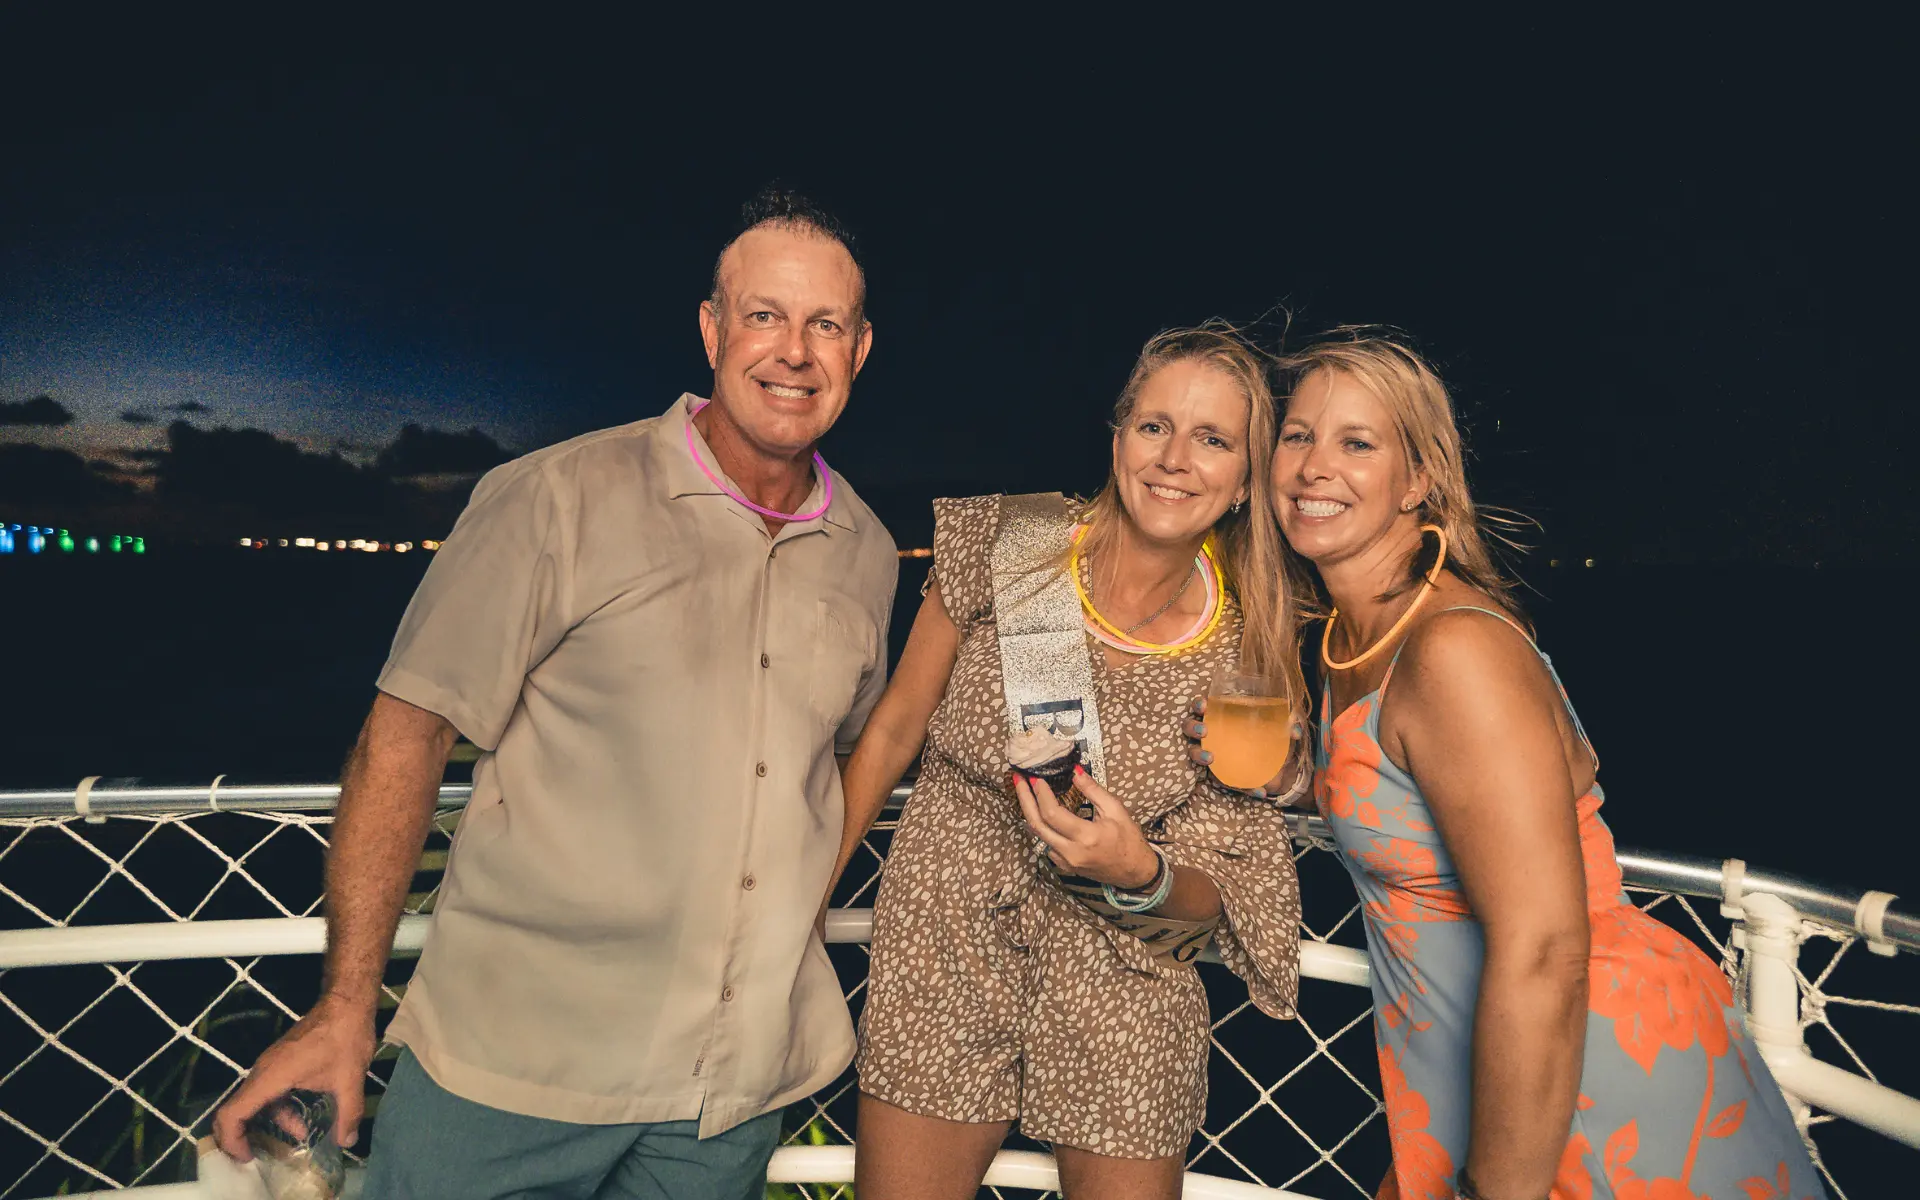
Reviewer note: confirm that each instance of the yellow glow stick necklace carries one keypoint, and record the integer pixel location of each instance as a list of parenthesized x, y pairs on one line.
[(1116, 637)]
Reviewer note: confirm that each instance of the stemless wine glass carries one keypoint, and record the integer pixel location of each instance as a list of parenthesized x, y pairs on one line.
[(1249, 728)]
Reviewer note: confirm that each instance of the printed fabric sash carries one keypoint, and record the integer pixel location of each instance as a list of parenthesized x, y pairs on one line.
[(1048, 679)]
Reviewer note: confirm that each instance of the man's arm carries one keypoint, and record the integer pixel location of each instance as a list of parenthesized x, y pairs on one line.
[(387, 799)]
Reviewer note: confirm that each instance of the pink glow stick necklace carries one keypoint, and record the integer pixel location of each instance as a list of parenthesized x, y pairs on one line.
[(819, 465)]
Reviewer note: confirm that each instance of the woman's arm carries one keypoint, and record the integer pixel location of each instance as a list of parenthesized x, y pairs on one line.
[(897, 726), (1473, 716)]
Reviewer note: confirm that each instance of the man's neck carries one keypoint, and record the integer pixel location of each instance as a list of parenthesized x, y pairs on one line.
[(778, 482)]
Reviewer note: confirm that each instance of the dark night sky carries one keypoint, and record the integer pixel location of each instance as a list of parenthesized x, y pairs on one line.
[(1666, 270)]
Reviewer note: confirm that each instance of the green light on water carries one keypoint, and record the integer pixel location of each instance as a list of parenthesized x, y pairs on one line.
[(93, 545), (66, 541), (113, 543), (139, 545)]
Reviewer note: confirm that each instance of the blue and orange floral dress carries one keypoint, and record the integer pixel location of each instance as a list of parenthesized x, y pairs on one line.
[(1675, 1103)]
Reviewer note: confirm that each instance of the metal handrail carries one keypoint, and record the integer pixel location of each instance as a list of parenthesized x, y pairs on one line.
[(171, 941), (1768, 910), (129, 798), (1681, 874)]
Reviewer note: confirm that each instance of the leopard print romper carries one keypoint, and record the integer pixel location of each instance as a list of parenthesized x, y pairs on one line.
[(993, 995)]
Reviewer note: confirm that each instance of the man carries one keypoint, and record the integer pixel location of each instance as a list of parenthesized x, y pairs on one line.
[(623, 985)]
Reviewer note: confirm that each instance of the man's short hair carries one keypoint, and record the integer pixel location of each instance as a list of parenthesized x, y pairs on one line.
[(783, 208)]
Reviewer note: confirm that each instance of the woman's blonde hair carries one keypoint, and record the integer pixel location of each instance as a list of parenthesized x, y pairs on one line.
[(1246, 542), (1423, 416)]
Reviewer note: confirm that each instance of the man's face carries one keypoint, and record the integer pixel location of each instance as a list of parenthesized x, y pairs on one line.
[(787, 339)]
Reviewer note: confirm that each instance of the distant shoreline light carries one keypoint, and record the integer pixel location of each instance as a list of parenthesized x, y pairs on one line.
[(370, 546), (38, 539), (364, 545)]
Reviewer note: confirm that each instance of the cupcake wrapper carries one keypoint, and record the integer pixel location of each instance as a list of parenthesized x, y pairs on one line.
[(1057, 772)]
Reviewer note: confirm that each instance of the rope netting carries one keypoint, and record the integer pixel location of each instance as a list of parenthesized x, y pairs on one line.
[(108, 1072)]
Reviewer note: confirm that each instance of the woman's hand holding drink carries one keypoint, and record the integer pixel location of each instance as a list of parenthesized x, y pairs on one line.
[(1245, 733)]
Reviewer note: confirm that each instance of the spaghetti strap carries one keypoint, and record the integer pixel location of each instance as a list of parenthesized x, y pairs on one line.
[(1393, 662), (1381, 691), (1499, 616), (1545, 658)]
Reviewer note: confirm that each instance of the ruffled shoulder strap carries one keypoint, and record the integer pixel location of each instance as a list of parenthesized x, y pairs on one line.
[(963, 533)]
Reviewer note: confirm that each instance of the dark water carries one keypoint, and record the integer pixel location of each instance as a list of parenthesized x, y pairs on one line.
[(1738, 712)]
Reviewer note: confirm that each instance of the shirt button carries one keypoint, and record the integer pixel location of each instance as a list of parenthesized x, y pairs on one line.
[(726, 994), (749, 883), (765, 661), (760, 769)]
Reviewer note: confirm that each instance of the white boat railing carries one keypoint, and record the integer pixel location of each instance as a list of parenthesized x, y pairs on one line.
[(198, 903)]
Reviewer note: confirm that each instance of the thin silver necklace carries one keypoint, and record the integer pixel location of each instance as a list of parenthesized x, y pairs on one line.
[(1171, 600)]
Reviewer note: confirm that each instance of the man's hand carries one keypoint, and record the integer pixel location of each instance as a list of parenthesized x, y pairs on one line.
[(327, 1051), (386, 803)]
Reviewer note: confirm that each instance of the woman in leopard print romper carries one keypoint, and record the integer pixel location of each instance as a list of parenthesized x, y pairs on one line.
[(994, 995)]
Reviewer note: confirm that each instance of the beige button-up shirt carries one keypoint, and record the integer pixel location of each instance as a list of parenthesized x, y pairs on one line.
[(625, 929)]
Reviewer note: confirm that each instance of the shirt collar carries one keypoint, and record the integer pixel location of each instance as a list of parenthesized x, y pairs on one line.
[(685, 478)]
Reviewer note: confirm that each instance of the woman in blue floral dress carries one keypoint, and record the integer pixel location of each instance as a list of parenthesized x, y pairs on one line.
[(1538, 1034)]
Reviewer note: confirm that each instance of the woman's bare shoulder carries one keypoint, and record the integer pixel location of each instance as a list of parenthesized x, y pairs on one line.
[(1461, 653)]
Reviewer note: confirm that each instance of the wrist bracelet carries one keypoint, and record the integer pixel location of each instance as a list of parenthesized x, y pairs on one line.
[(1152, 894), (1299, 789), (1464, 1187)]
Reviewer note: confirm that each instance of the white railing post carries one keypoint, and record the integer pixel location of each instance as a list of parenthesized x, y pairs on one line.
[(1773, 939), (1774, 935)]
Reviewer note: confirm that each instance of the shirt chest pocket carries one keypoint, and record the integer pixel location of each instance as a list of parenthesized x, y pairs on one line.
[(844, 645)]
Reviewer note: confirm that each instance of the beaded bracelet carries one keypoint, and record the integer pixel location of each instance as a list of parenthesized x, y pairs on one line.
[(1152, 896)]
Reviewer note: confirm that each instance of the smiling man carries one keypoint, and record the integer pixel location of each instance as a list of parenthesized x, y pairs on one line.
[(660, 636)]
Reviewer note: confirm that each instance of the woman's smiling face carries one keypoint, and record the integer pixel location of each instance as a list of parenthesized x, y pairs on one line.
[(1341, 476), (1181, 458)]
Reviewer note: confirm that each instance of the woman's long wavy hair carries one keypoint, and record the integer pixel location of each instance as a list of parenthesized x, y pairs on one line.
[(1247, 542), (1423, 416)]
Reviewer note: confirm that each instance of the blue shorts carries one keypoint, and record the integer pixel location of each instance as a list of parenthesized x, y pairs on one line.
[(429, 1144)]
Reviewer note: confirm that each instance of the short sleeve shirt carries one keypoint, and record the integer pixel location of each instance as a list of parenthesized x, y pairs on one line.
[(659, 687)]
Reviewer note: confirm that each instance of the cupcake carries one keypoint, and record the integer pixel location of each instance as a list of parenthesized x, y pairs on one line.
[(1042, 754)]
